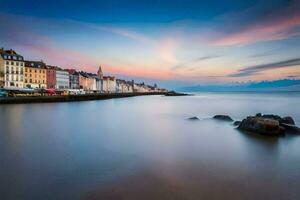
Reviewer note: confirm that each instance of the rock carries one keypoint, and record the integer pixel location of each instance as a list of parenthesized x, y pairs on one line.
[(258, 115), (275, 117), (287, 120), (173, 93), (262, 125), (237, 123), (223, 117), (291, 128), (193, 118)]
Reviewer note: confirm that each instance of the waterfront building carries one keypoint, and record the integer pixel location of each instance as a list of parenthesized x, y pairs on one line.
[(140, 87), (35, 74), (123, 86), (73, 79), (11, 69), (109, 84), (86, 82), (62, 79), (97, 82), (51, 76)]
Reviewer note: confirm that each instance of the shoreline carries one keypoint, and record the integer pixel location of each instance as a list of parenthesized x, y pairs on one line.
[(72, 98)]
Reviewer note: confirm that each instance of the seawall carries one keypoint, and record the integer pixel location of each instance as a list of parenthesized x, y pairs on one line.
[(70, 98)]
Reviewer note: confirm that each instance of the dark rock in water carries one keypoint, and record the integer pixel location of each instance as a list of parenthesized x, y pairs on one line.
[(173, 93), (275, 117), (287, 120), (223, 117), (237, 123), (291, 128), (193, 118), (258, 115), (262, 125)]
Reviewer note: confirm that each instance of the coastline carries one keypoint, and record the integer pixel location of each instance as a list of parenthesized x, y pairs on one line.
[(72, 98)]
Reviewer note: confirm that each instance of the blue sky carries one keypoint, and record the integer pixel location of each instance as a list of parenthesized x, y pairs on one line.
[(173, 43)]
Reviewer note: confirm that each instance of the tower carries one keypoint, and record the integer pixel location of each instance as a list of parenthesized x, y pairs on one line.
[(100, 73)]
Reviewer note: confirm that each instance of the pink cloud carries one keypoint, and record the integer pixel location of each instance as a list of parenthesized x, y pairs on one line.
[(262, 32)]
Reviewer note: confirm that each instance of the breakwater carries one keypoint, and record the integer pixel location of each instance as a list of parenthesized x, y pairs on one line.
[(70, 98)]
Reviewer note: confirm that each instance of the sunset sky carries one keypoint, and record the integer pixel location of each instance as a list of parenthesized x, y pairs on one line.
[(170, 42)]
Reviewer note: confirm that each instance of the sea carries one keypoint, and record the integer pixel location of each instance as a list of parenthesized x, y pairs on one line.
[(146, 148)]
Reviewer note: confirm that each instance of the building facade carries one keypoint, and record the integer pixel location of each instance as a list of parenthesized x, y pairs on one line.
[(62, 79), (11, 69), (109, 84), (87, 82), (123, 86), (74, 79), (35, 74), (51, 76)]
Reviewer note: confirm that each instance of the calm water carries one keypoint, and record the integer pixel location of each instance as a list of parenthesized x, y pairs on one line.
[(144, 148)]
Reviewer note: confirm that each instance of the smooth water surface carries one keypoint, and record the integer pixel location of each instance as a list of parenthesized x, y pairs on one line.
[(144, 148)]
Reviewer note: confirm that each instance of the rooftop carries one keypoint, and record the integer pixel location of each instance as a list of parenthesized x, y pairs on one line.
[(10, 55)]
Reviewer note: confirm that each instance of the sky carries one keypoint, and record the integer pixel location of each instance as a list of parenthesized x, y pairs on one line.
[(170, 42)]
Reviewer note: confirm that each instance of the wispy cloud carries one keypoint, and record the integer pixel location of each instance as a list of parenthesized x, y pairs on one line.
[(125, 33), (269, 24), (252, 70), (196, 60)]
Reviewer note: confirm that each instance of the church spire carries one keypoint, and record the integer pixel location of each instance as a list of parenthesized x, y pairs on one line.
[(100, 73)]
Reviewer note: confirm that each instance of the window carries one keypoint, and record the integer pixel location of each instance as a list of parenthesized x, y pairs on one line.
[(7, 62), (21, 64), (12, 63), (17, 63), (14, 57)]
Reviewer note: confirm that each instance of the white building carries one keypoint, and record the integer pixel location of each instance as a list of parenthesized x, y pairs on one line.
[(11, 69), (62, 79), (124, 86), (109, 84)]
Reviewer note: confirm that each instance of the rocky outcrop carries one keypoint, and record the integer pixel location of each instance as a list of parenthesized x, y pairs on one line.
[(193, 118), (268, 124), (223, 118), (264, 126)]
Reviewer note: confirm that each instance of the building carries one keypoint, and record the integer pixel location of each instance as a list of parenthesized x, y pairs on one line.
[(86, 82), (109, 84), (35, 74), (11, 69), (123, 86), (100, 73), (140, 87), (97, 83), (73, 79), (62, 79), (51, 76)]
